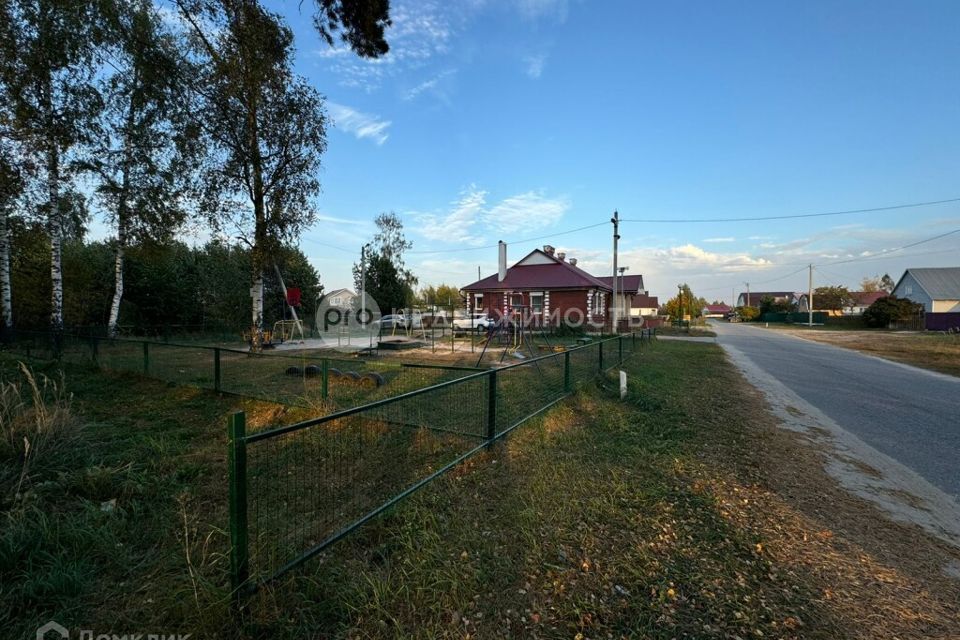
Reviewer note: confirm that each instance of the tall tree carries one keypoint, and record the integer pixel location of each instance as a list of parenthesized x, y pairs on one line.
[(265, 126), (360, 24), (142, 162), (11, 187), (832, 298), (692, 305), (878, 283), (48, 63)]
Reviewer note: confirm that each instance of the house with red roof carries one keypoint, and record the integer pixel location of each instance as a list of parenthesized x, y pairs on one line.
[(644, 305), (716, 310), (861, 300), (545, 287)]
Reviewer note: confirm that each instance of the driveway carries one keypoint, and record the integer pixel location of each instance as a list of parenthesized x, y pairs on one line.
[(908, 414)]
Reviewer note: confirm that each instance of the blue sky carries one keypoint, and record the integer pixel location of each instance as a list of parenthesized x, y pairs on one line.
[(511, 120)]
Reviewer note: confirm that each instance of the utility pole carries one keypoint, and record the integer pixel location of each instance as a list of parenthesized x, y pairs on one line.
[(748, 293), (810, 298), (616, 236), (363, 284), (680, 305)]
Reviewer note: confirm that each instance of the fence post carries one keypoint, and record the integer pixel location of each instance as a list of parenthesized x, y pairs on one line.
[(146, 357), (324, 377), (216, 369), (566, 371), (491, 407), (600, 349), (237, 467)]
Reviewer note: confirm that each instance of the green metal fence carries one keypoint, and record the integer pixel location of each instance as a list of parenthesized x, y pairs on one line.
[(302, 379), (297, 489)]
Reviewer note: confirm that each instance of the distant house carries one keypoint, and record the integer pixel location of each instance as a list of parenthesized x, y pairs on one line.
[(645, 306), (938, 290), (628, 287), (861, 301), (341, 298), (753, 298), (545, 287), (716, 310)]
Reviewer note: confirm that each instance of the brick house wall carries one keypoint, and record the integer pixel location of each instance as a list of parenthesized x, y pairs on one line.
[(557, 305)]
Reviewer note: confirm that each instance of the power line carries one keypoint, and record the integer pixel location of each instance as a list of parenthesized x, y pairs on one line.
[(906, 246), (691, 220), (793, 216), (520, 241)]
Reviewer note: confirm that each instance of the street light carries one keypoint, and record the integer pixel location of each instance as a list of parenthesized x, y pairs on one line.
[(680, 304)]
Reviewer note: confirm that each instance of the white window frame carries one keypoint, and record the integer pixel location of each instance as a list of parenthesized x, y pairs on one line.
[(536, 295)]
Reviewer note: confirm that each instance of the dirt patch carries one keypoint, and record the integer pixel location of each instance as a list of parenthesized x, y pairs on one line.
[(928, 350)]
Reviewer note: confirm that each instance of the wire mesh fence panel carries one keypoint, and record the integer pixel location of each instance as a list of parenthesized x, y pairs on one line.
[(121, 355), (584, 362), (180, 364), (525, 389), (308, 485)]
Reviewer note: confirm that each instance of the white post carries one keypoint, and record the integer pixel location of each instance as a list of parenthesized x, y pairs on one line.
[(623, 385), (810, 298)]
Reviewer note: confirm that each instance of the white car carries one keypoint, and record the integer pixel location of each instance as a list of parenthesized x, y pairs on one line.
[(475, 322)]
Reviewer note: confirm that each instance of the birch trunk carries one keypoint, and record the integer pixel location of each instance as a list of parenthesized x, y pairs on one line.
[(6, 300), (123, 215), (112, 328), (259, 213), (56, 240), (54, 223)]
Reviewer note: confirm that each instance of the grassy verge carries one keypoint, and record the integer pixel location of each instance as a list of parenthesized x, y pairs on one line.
[(652, 517), (701, 332), (928, 350)]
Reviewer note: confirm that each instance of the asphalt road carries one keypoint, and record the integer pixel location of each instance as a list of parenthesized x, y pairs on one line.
[(908, 414)]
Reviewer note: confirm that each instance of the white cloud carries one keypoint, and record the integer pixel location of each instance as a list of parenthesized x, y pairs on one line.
[(427, 85), (527, 211), (536, 9), (362, 125), (458, 224), (421, 31), (471, 220), (691, 255), (724, 239), (534, 65)]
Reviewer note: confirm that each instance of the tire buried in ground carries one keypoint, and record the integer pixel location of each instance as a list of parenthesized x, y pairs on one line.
[(372, 380)]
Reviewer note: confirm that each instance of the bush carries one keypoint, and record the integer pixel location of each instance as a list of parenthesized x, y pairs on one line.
[(890, 309), (748, 314)]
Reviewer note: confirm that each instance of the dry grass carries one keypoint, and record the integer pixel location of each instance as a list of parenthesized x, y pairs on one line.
[(882, 579), (935, 351)]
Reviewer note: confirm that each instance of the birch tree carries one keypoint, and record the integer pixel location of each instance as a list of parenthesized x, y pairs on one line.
[(48, 62), (265, 129), (143, 160), (11, 187)]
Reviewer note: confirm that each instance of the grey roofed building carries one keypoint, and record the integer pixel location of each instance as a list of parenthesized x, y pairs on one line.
[(936, 288)]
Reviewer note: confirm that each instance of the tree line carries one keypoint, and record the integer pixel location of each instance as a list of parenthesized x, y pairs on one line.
[(155, 117)]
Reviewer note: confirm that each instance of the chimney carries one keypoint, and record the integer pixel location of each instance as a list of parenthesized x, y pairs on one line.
[(502, 263), (573, 261), (561, 255), (548, 249)]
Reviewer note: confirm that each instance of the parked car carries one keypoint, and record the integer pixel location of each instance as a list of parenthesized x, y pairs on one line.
[(474, 321), (389, 321)]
